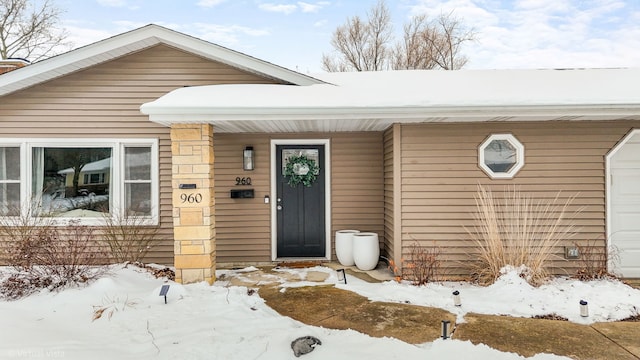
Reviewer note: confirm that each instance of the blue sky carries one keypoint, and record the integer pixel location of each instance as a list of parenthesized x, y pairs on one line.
[(295, 34)]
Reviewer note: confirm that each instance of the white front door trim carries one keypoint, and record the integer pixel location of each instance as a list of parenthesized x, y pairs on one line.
[(327, 191)]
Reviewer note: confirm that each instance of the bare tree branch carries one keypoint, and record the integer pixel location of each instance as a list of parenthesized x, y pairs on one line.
[(413, 51), (448, 45), (30, 31), (361, 45), (426, 44), (379, 26)]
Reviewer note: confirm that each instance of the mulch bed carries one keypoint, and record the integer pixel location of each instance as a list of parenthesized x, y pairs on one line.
[(633, 318), (551, 317), (156, 271), (298, 264)]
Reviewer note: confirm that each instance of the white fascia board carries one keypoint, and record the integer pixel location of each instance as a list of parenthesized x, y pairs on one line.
[(75, 60), (136, 40), (171, 115)]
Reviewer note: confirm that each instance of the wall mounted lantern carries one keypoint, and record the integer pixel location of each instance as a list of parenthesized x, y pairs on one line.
[(247, 158)]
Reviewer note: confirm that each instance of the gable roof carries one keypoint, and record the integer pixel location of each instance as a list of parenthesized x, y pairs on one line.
[(372, 101), (137, 40)]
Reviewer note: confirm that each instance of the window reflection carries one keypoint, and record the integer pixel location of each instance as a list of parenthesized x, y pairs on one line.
[(500, 156), (71, 182)]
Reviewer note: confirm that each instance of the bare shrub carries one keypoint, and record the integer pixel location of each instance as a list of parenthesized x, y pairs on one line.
[(128, 236), (422, 266), (395, 268), (20, 235), (635, 317), (517, 231), (594, 262), (44, 255), (72, 255)]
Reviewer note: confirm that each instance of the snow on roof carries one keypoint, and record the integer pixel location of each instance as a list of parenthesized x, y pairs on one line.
[(99, 165), (133, 160), (421, 88), (492, 87), (415, 95)]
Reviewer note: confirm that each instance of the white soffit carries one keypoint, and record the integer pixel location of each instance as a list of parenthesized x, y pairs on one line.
[(134, 41)]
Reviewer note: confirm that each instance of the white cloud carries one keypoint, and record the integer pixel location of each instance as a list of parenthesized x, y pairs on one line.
[(283, 8), (126, 25), (545, 33), (226, 35), (210, 3), (118, 4), (112, 3), (309, 8), (80, 34), (287, 9), (320, 23)]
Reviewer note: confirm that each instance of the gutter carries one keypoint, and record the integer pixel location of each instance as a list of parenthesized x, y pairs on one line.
[(470, 113)]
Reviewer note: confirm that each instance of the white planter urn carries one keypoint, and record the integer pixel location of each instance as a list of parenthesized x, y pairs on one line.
[(344, 246), (366, 250)]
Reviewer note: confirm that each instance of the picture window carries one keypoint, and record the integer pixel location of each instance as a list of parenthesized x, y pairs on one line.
[(79, 179)]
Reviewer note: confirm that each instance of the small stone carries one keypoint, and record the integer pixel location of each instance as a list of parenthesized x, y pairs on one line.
[(304, 345)]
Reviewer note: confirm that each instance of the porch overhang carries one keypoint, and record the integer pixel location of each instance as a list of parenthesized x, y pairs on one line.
[(375, 100), (285, 120)]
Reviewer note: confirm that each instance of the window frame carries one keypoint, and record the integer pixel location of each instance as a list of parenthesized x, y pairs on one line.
[(15, 143), (117, 200), (519, 147)]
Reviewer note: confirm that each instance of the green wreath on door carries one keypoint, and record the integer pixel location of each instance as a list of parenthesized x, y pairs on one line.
[(301, 170)]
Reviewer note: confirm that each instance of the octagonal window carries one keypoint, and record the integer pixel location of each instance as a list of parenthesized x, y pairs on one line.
[(501, 156)]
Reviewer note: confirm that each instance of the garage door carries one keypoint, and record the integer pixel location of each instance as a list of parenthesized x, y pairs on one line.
[(624, 200)]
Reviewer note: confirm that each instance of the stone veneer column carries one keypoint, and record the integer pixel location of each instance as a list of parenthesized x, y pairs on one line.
[(193, 209)]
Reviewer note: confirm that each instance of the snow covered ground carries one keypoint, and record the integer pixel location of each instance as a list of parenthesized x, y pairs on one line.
[(228, 322)]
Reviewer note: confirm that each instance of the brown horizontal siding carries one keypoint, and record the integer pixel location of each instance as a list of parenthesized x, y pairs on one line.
[(440, 176), (243, 226), (104, 102), (389, 195), (357, 184)]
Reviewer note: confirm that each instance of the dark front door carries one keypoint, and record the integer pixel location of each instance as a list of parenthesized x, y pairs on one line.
[(300, 209)]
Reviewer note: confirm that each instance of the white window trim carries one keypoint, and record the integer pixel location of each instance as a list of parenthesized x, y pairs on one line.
[(519, 156), (19, 144), (117, 171)]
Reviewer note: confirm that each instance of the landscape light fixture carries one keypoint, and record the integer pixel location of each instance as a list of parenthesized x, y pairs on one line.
[(248, 158), (445, 329), (584, 308), (342, 275), (456, 298), (163, 292)]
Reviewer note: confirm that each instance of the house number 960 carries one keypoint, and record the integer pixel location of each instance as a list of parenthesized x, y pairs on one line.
[(243, 181), (191, 198)]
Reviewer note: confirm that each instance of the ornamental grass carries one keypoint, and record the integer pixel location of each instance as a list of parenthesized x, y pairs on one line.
[(519, 231)]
